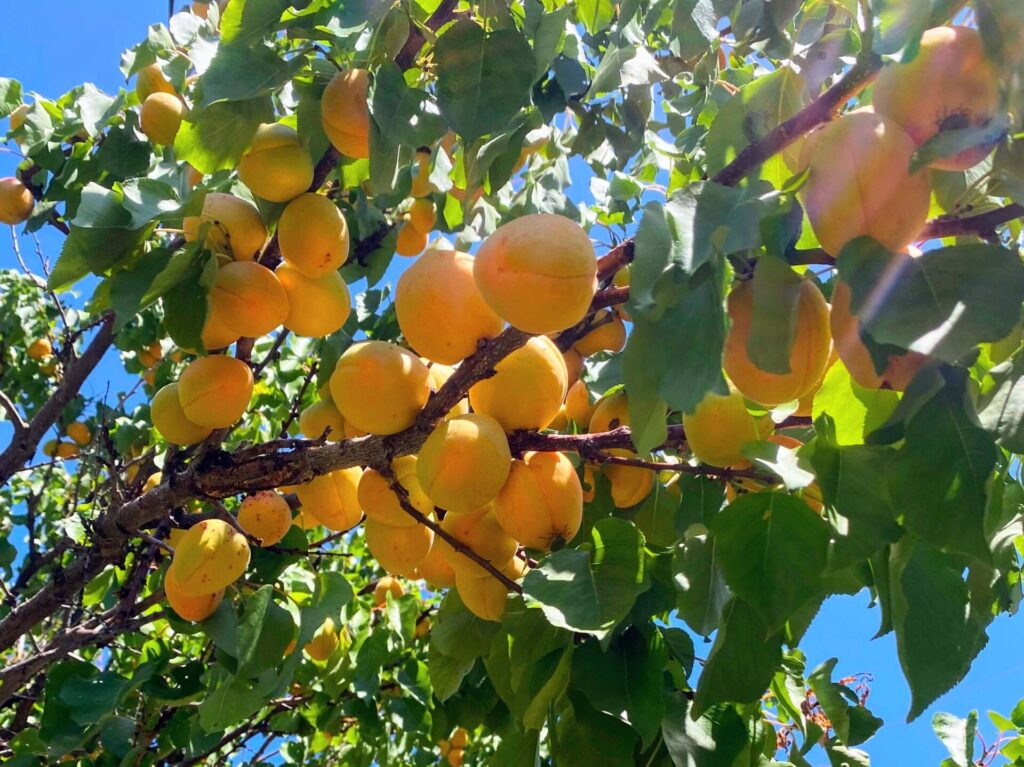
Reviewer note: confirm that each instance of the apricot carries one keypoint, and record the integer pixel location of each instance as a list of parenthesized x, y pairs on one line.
[(313, 235), (161, 117), (235, 227), (80, 433), (808, 355), (56, 449), (170, 420), (317, 306), (573, 365), (266, 516), (484, 596), (345, 114), (464, 462), (151, 355), (39, 349), (411, 241), (277, 166), (422, 215), (218, 332), (948, 85), (322, 417), (398, 549), (542, 501), (459, 738), (610, 412), (864, 151), (629, 484), (589, 487), (380, 387), (16, 201), (527, 387), (190, 608), (210, 556), (578, 407), (608, 335), (455, 757), (332, 498), (440, 311), (480, 531), (152, 481), (324, 642), (253, 297), (150, 80), (434, 568), (378, 501), (718, 428), (387, 585), (215, 391), (421, 186), (439, 375), (538, 272)]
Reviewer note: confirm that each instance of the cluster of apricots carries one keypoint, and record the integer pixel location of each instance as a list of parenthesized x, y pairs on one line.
[(452, 747)]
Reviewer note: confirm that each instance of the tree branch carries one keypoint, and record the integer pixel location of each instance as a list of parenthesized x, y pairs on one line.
[(983, 224), (444, 13)]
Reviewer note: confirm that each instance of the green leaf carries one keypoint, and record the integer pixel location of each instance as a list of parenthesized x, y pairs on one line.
[(776, 290), (333, 591), (855, 411), (937, 636), (957, 735), (1003, 411), (591, 590), (851, 722), (943, 303), (656, 517), (780, 461), (714, 739), (703, 593), (624, 66), (742, 661), (57, 728), (773, 550), (264, 632), (214, 138), (586, 736), (952, 142), (245, 73), (481, 80), (404, 115), (187, 303), (546, 30), (247, 21), (550, 680), (694, 26), (518, 748), (10, 96), (446, 672), (595, 15), (89, 699), (231, 699)]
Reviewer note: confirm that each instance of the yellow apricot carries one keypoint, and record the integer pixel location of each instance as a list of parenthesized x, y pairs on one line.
[(253, 297), (480, 531), (39, 349), (150, 80), (345, 114), (808, 355), (161, 117), (305, 521), (608, 335), (538, 272), (16, 201), (484, 596), (542, 500), (440, 311), (332, 498), (190, 608), (411, 241), (210, 556), (573, 365), (422, 626), (80, 433), (610, 413), (317, 306), (215, 391), (218, 332), (380, 387), (277, 166), (864, 151), (398, 550), (578, 407), (439, 374), (152, 481), (378, 501), (464, 462), (316, 419), (949, 85), (629, 484), (313, 235), (266, 516), (527, 387), (351, 432), (459, 738), (422, 215), (324, 642), (64, 450), (434, 568), (718, 428), (235, 227), (387, 585), (170, 420), (421, 185), (50, 447)]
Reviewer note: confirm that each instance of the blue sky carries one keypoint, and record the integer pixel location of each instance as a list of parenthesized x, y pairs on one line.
[(53, 45)]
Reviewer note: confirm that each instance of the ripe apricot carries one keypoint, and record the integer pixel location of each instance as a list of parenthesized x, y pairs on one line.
[(422, 215), (387, 585), (608, 335), (215, 391), (313, 235), (317, 306), (345, 114), (190, 608), (16, 201), (629, 484), (527, 387), (610, 412), (718, 428), (210, 556), (161, 117), (808, 355), (277, 166), (322, 417), (80, 433), (398, 549), (434, 568), (588, 485), (864, 151), (379, 387), (411, 241), (332, 498), (455, 757), (235, 227), (459, 738), (949, 85), (378, 501), (253, 297), (218, 332), (464, 462), (480, 531), (421, 185), (324, 642), (170, 420), (578, 407), (573, 365), (538, 272), (265, 515), (440, 311), (542, 500), (439, 374), (150, 80), (39, 349), (484, 596)]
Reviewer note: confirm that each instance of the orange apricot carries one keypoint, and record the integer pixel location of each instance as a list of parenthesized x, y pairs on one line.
[(479, 531), (387, 585), (542, 500), (398, 550), (234, 226), (718, 428), (380, 502), (345, 114), (332, 498), (317, 306), (608, 335), (322, 417), (161, 117), (215, 391), (380, 387), (464, 462), (210, 556), (266, 516), (527, 387), (253, 297), (277, 166), (16, 201), (191, 608), (170, 420), (313, 235)]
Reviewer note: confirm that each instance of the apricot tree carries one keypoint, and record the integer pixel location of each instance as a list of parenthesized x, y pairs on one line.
[(475, 508)]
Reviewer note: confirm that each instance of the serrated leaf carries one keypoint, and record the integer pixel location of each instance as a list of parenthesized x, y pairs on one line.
[(1003, 411), (244, 73), (403, 115), (702, 591)]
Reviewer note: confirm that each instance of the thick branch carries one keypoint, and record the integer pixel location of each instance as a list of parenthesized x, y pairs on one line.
[(983, 224), (441, 16)]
